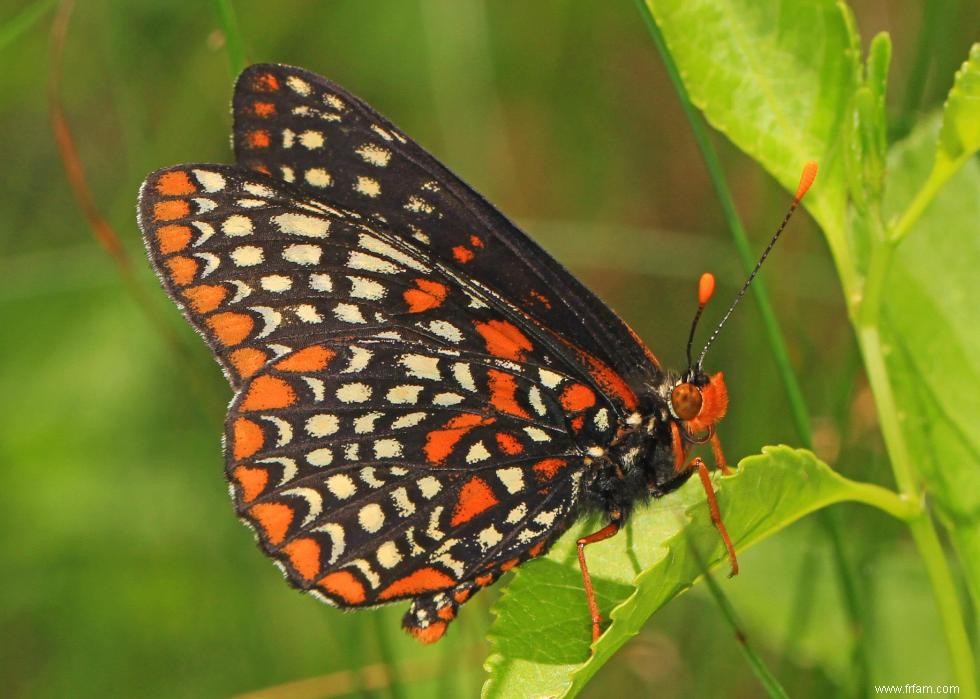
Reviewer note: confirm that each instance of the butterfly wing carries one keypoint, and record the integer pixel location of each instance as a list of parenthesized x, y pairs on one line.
[(300, 127), (369, 374)]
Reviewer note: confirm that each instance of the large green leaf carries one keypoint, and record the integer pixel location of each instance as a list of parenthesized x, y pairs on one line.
[(777, 78), (541, 634), (930, 325)]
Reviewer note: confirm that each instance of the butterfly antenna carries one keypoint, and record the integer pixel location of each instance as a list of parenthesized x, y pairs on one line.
[(706, 287), (806, 179)]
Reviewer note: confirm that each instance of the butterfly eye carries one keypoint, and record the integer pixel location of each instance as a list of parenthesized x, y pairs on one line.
[(685, 401)]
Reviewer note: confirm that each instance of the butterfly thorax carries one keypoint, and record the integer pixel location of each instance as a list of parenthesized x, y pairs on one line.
[(648, 455)]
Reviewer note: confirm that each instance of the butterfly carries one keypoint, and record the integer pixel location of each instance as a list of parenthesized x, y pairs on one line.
[(423, 398)]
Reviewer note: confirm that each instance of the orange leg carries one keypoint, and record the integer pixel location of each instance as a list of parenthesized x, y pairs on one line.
[(607, 531), (715, 513), (719, 455)]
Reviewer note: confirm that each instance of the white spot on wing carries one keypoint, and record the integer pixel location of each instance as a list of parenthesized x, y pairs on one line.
[(320, 457), (349, 313), (311, 140), (300, 224), (512, 478), (298, 85), (477, 453), (321, 282), (276, 283), (369, 289), (337, 544), (211, 181), (374, 154), (341, 486), (387, 555), (371, 518), (354, 393), (463, 375), (421, 366), (318, 177), (247, 256), (322, 425), (368, 186), (387, 449), (302, 254), (405, 394)]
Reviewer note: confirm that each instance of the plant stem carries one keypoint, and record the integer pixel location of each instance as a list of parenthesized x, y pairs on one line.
[(772, 686), (922, 528), (941, 172)]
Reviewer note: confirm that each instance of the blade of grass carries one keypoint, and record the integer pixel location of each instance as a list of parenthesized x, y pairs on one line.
[(24, 20), (228, 19), (769, 682), (777, 344)]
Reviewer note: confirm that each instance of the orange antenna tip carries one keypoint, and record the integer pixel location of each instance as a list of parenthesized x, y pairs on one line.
[(806, 179), (706, 287)]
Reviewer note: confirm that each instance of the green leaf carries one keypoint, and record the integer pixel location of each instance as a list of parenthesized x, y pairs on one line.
[(777, 78), (960, 134), (541, 634), (929, 323)]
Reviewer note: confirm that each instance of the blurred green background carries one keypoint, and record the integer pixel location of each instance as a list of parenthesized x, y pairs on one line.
[(125, 572)]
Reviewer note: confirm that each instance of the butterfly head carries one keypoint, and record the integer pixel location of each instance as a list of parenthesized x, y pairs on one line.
[(699, 402)]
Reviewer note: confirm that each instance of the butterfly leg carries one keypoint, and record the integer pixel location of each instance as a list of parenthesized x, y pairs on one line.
[(720, 461), (702, 469), (606, 532)]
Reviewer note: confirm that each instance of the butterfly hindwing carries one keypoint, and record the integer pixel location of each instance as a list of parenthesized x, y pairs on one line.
[(447, 462), (300, 127)]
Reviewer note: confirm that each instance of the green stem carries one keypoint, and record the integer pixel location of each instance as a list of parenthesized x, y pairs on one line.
[(941, 172), (922, 527), (772, 686)]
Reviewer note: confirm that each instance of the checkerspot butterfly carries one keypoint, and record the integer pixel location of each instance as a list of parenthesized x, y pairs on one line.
[(424, 398)]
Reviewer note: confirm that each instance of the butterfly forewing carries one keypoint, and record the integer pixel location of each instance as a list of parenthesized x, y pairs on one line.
[(298, 126)]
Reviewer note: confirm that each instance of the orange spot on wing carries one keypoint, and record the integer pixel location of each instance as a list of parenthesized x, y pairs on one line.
[(175, 184), (252, 480), (509, 444), (544, 300), (172, 238), (421, 581), (430, 634), (546, 469), (304, 556), (447, 613), (577, 397), (608, 380), (344, 585), (460, 596), (268, 393), (204, 298), (462, 254), (504, 339), (475, 241), (483, 580), (274, 518), (578, 423), (265, 82), (536, 550), (507, 565), (263, 110), (257, 138), (503, 393), (439, 443), (230, 328), (171, 209), (247, 361), (474, 497), (247, 438), (312, 358), (427, 295), (182, 270)]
